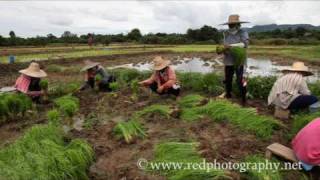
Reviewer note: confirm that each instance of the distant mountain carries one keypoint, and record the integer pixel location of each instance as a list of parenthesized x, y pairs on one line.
[(270, 27)]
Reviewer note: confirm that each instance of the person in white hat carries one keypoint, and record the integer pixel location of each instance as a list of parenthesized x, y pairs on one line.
[(234, 36), (163, 80), (290, 91), (93, 70), (29, 81)]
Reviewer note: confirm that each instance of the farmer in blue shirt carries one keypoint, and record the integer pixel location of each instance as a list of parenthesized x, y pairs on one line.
[(234, 36)]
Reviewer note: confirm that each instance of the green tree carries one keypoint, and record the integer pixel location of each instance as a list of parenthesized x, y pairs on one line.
[(134, 35)]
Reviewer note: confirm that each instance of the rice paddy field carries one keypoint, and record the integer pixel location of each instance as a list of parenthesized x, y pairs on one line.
[(122, 134)]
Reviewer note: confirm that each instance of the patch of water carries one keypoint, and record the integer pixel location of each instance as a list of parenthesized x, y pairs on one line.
[(255, 67)]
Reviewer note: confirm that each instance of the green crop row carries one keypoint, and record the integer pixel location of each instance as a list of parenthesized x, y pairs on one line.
[(13, 105), (42, 154)]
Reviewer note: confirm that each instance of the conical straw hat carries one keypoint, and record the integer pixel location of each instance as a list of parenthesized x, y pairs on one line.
[(160, 63), (234, 19), (89, 64), (34, 71), (299, 67)]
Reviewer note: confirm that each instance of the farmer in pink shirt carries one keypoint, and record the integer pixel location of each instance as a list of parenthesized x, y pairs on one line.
[(306, 145), (163, 80)]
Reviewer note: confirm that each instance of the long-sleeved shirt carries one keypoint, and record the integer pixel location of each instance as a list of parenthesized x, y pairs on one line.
[(306, 144), (24, 84), (90, 75), (166, 79), (287, 88), (240, 37)]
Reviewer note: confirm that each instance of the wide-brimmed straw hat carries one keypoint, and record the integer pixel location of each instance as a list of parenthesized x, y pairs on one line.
[(234, 19), (89, 64), (299, 67), (34, 71), (160, 63)]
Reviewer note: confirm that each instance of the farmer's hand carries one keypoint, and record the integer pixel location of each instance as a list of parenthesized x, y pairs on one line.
[(141, 83), (160, 89)]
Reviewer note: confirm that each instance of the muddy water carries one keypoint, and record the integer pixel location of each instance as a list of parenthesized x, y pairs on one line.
[(255, 67)]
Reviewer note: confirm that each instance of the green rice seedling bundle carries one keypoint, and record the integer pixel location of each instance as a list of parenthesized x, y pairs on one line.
[(239, 54), (114, 86), (42, 154), (68, 105), (220, 49), (154, 110), (244, 118), (62, 89), (300, 120), (44, 84), (191, 81), (190, 101), (134, 86), (266, 173), (184, 154), (128, 75), (260, 87), (213, 83), (129, 130), (98, 78), (53, 117), (16, 104)]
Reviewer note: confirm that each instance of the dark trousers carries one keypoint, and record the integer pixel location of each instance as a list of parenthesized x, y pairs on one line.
[(154, 87), (302, 102), (229, 72)]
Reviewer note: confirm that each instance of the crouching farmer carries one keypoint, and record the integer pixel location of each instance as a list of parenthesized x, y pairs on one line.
[(290, 91), (306, 145), (163, 80), (96, 75), (29, 81)]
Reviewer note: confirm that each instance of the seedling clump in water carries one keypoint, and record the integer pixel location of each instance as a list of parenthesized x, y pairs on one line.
[(129, 130)]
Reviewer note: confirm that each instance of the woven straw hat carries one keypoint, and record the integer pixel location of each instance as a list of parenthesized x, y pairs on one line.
[(299, 67), (34, 71), (160, 63), (89, 64), (234, 19)]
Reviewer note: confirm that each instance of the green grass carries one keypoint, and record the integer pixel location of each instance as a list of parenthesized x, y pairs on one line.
[(42, 154), (262, 174), (129, 130), (154, 110), (190, 101), (183, 153), (306, 53)]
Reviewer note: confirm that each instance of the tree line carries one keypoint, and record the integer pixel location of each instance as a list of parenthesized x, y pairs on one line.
[(203, 35)]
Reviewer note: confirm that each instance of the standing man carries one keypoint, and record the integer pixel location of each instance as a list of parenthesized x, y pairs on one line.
[(234, 37)]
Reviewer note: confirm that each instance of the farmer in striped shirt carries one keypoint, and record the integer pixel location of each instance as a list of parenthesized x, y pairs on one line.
[(29, 81), (290, 91), (234, 36)]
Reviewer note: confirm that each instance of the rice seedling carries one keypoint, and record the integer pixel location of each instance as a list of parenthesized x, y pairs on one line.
[(62, 89), (114, 86), (98, 78), (135, 89), (129, 130), (68, 105), (258, 173), (53, 117), (213, 84), (42, 154), (260, 87), (125, 76), (244, 118), (184, 154), (190, 101), (44, 84), (54, 68), (16, 104), (238, 53), (155, 110), (300, 121), (191, 81)]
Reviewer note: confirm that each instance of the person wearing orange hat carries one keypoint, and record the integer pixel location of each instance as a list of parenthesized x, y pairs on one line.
[(163, 80), (29, 81)]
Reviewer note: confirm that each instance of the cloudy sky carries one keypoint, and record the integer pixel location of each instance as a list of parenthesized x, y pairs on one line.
[(40, 18)]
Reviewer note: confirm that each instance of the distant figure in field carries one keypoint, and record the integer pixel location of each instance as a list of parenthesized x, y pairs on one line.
[(290, 91), (96, 75), (234, 37), (29, 81), (90, 40), (163, 80), (306, 145)]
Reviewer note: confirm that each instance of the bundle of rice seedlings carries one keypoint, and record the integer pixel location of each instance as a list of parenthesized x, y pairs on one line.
[(191, 81), (190, 101), (266, 173), (68, 105), (129, 130), (98, 78), (62, 89), (16, 104), (44, 84), (155, 110), (244, 118), (135, 89), (42, 154), (114, 86), (238, 53), (53, 117), (183, 153)]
